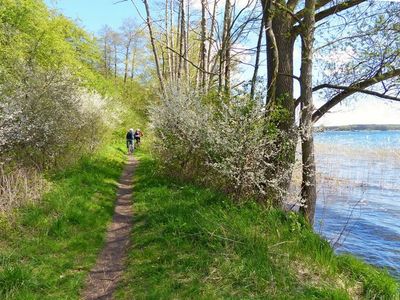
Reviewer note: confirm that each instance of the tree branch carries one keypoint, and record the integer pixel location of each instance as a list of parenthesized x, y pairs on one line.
[(337, 8), (318, 5), (331, 10), (352, 89), (190, 62), (288, 11), (349, 88)]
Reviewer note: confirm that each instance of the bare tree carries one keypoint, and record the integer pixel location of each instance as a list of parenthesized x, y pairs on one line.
[(115, 39), (128, 31), (224, 57), (105, 39), (153, 46), (203, 52), (257, 60)]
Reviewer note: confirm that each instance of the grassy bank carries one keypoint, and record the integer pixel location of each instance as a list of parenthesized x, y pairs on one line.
[(46, 249), (188, 243), (193, 243)]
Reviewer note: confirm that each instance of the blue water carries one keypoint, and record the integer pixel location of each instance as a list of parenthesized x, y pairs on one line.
[(358, 207)]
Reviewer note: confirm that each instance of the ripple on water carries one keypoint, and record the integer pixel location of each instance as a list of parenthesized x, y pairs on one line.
[(359, 192)]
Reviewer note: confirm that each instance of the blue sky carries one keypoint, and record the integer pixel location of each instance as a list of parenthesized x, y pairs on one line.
[(93, 14)]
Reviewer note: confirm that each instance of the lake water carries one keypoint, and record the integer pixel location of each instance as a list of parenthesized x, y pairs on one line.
[(358, 207)]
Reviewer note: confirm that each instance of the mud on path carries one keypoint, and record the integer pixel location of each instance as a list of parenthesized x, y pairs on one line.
[(105, 275)]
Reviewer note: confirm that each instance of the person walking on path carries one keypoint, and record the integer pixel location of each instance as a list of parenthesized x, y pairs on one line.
[(129, 141), (138, 134)]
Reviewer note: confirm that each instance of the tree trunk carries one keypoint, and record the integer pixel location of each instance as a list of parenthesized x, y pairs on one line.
[(172, 40), (273, 52), (308, 186), (181, 37), (257, 62), (115, 60), (133, 59), (167, 41), (105, 56), (224, 66), (210, 43), (186, 41), (280, 44), (203, 45), (128, 46), (153, 46), (178, 54)]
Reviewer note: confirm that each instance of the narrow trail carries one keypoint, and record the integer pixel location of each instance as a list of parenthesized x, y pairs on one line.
[(105, 275)]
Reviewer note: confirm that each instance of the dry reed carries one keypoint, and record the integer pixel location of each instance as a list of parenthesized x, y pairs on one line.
[(20, 186)]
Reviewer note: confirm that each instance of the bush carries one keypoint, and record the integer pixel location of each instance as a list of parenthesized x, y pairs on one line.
[(228, 144), (46, 118)]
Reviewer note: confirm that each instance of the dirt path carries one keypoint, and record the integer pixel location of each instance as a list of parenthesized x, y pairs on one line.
[(105, 275)]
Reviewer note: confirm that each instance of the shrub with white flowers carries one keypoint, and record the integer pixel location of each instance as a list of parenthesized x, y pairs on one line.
[(47, 118), (226, 143)]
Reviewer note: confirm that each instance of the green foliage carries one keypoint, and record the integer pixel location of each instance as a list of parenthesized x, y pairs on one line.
[(32, 35)]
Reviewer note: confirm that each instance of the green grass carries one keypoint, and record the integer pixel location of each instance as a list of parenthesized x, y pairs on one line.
[(47, 249), (193, 243), (188, 243)]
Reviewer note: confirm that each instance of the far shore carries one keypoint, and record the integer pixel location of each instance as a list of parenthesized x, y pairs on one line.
[(358, 127)]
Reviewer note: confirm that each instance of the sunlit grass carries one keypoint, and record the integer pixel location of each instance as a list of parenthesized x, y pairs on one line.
[(193, 243), (47, 248)]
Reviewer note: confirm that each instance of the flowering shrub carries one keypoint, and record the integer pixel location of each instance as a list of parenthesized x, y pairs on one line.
[(47, 118), (228, 144)]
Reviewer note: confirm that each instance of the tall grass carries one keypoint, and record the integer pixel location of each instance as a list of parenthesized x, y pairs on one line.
[(20, 186)]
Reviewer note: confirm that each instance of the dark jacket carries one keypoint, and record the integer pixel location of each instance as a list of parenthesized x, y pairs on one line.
[(129, 135)]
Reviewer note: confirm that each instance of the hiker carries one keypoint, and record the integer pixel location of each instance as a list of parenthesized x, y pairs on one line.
[(138, 134), (129, 141)]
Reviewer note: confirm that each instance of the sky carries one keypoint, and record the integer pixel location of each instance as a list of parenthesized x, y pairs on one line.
[(93, 14)]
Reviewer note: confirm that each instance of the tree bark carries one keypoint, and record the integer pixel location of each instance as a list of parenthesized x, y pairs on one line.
[(153, 46), (257, 62), (105, 56), (203, 53), (127, 50), (172, 41), (133, 60), (272, 51), (308, 186), (282, 27), (224, 67), (115, 59), (186, 41), (181, 37), (280, 43), (167, 40), (210, 43)]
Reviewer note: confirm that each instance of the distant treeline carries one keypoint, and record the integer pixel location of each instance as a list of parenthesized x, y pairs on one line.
[(356, 127)]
